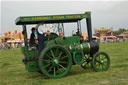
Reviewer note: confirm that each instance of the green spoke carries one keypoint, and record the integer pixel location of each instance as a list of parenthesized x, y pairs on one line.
[(50, 68), (89, 64), (84, 63), (60, 54), (54, 71), (104, 58), (56, 50), (85, 57), (105, 62), (99, 65), (47, 65), (63, 57), (98, 61), (101, 57), (57, 67), (98, 58), (48, 56), (102, 66), (63, 62), (48, 61), (52, 53), (62, 66), (96, 65)]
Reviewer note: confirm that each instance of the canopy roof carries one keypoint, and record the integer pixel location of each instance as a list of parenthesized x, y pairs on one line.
[(51, 19)]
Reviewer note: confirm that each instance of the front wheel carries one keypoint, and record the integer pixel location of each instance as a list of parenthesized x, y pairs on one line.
[(55, 61), (87, 62), (101, 61)]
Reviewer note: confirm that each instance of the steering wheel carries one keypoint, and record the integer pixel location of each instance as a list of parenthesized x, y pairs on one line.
[(52, 36)]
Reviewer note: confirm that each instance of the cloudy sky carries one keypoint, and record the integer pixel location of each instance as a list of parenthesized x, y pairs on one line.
[(104, 13)]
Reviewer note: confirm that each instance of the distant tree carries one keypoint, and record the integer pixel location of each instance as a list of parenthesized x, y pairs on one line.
[(121, 30), (118, 32)]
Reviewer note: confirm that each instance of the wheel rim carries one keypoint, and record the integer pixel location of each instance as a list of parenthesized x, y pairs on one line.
[(101, 62), (56, 61)]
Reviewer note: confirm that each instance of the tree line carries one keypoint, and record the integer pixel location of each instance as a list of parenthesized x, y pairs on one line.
[(119, 31)]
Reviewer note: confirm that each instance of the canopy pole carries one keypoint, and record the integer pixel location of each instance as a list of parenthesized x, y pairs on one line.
[(25, 35), (63, 28), (89, 27), (80, 27), (78, 30)]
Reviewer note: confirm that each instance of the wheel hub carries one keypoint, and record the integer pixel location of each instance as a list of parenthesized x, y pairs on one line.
[(102, 61), (55, 61)]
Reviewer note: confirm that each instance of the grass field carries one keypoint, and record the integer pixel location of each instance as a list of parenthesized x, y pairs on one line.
[(12, 70)]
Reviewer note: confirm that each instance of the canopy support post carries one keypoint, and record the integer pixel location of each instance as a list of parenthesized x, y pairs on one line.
[(89, 27), (78, 30), (63, 28), (25, 35), (80, 27)]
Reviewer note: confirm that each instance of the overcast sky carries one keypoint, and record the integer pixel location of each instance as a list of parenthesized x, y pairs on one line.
[(104, 13)]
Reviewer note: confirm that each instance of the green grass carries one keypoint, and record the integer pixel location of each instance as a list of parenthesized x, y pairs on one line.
[(12, 70)]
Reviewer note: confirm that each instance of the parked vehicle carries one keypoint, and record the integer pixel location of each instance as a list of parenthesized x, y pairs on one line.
[(60, 53)]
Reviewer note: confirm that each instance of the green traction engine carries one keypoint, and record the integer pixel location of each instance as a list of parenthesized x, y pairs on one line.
[(60, 53)]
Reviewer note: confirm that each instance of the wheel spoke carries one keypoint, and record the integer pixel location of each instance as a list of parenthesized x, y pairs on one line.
[(52, 53), (56, 50), (47, 65), (62, 66), (54, 71), (48, 56), (101, 66), (83, 64), (60, 54), (99, 57), (105, 62), (57, 67), (48, 61), (63, 62), (98, 61), (50, 68), (97, 64), (63, 57), (85, 57), (104, 57), (88, 65)]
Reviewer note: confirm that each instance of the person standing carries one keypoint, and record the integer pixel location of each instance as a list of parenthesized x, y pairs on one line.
[(41, 32), (32, 38)]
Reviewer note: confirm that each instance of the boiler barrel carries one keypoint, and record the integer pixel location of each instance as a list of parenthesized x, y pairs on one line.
[(85, 47)]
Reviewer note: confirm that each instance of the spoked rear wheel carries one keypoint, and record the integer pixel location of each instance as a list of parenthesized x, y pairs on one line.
[(87, 62), (101, 61), (55, 61)]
